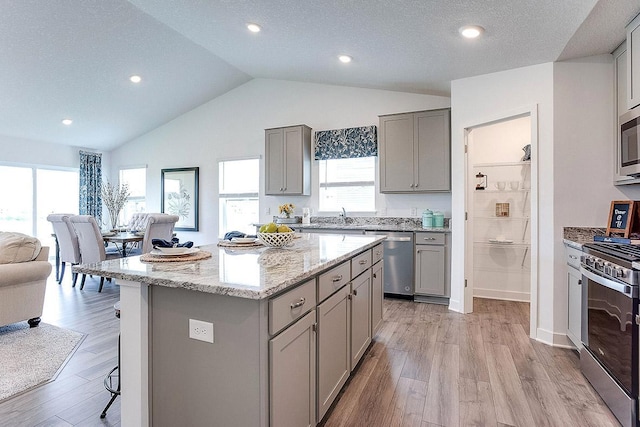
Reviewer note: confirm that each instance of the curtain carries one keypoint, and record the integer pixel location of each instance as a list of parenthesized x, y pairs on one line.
[(346, 143), (90, 185)]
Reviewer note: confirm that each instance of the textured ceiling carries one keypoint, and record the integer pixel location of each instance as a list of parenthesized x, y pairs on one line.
[(72, 58)]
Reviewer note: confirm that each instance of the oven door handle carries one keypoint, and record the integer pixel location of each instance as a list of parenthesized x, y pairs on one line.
[(611, 284)]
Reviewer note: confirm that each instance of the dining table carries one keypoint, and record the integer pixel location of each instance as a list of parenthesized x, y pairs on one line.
[(122, 238)]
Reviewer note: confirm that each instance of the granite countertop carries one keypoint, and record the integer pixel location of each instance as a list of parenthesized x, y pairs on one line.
[(577, 236), (366, 223), (253, 273)]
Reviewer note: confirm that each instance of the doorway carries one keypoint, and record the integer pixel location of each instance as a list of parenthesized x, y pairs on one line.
[(501, 205)]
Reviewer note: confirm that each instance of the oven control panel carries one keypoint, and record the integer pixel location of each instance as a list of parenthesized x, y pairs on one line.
[(608, 269)]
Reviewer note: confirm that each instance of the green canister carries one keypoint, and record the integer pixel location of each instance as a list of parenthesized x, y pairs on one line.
[(427, 218), (438, 219)]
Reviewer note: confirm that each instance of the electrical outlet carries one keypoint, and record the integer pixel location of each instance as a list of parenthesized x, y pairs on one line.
[(414, 211), (267, 211), (199, 330)]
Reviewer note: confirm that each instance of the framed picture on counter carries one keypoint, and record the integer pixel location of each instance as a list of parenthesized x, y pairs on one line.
[(180, 196)]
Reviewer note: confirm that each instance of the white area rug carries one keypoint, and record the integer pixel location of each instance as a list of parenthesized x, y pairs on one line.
[(33, 356)]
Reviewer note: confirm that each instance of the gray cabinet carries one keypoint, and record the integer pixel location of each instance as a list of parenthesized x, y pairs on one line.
[(633, 63), (415, 150), (288, 161), (334, 332), (377, 274), (293, 375), (431, 254), (574, 290), (360, 316)]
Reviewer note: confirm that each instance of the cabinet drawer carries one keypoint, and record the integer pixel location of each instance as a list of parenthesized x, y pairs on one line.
[(360, 263), (377, 254), (333, 280), (430, 238), (573, 256), (290, 306)]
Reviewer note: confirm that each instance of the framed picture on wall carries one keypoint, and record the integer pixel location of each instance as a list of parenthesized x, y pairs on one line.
[(180, 196)]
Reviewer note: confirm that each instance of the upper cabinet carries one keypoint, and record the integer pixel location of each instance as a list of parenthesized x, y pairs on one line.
[(415, 151), (288, 161), (620, 64), (633, 63)]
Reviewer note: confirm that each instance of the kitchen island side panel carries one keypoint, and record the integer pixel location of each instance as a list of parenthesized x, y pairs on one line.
[(199, 383)]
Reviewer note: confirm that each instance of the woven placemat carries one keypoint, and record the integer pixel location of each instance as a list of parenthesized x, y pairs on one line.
[(193, 257), (228, 244)]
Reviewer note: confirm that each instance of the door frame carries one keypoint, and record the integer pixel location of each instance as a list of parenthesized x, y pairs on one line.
[(532, 112)]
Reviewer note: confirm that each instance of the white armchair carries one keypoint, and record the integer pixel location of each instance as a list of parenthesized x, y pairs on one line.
[(24, 269)]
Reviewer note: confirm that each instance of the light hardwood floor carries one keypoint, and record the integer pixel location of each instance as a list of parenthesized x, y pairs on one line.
[(426, 367)]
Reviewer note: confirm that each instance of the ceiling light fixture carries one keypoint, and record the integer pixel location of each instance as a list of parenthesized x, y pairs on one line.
[(67, 122), (254, 28), (471, 31), (345, 58), (135, 79)]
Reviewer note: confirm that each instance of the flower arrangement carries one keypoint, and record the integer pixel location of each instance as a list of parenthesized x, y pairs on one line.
[(286, 209), (114, 198)]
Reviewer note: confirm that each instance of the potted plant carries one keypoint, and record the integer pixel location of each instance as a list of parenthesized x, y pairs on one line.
[(114, 197), (287, 211)]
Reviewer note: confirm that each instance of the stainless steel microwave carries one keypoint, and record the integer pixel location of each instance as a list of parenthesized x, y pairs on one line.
[(629, 150)]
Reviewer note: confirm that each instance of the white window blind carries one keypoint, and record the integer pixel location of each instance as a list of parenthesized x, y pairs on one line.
[(347, 183)]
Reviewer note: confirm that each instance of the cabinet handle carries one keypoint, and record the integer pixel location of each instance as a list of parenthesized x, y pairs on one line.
[(374, 275), (429, 238), (416, 185), (298, 304), (573, 257), (378, 253), (337, 279), (411, 186), (355, 292), (362, 262), (579, 282)]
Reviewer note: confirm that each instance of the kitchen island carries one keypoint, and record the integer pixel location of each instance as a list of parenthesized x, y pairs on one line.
[(271, 357)]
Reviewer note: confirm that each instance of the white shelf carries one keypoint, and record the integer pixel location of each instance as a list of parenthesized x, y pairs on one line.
[(519, 245), (520, 190), (503, 218), (491, 165)]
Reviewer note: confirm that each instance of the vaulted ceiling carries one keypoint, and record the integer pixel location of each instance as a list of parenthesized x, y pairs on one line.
[(73, 58)]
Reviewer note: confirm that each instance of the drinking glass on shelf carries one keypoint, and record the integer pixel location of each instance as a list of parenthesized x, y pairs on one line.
[(514, 185), (500, 185)]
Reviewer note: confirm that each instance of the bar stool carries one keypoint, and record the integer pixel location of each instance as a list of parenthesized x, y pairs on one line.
[(114, 374)]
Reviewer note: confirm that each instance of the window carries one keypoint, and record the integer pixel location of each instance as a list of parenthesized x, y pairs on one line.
[(347, 183), (239, 183), (136, 178), (33, 194)]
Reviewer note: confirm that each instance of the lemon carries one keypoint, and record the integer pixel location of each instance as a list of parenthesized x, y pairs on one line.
[(284, 229), (263, 228)]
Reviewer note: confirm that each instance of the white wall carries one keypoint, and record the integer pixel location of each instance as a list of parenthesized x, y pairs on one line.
[(232, 126), (574, 101)]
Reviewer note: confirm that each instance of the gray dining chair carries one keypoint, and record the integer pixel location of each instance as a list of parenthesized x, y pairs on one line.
[(67, 243), (159, 226), (90, 242)]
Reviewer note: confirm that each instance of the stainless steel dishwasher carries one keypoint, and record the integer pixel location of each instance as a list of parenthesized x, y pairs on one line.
[(398, 263)]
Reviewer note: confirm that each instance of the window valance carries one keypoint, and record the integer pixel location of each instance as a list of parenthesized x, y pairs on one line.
[(346, 143)]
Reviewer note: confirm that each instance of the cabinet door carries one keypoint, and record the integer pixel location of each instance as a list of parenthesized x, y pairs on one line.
[(293, 161), (433, 149), (274, 161), (633, 63), (575, 306), (292, 385), (334, 326), (396, 153), (377, 295), (430, 270), (360, 316)]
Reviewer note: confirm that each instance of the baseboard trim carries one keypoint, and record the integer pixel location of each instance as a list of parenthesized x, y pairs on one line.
[(553, 339), (503, 295)]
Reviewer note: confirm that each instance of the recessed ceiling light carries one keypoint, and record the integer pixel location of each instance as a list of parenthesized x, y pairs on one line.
[(67, 122), (345, 58), (254, 28), (135, 79), (471, 31)]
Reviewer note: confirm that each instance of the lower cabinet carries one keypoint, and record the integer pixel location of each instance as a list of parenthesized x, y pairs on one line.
[(574, 296), (360, 316), (430, 265), (377, 274), (292, 356), (334, 333)]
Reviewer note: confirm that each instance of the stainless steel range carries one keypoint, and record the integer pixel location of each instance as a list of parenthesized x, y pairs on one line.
[(609, 359)]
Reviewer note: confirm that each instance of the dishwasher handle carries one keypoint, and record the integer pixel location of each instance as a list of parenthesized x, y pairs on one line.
[(398, 239)]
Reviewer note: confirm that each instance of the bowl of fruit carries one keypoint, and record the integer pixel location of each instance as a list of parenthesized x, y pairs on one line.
[(274, 235)]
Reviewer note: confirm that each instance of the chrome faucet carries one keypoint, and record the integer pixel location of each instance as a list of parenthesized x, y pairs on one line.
[(343, 214)]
